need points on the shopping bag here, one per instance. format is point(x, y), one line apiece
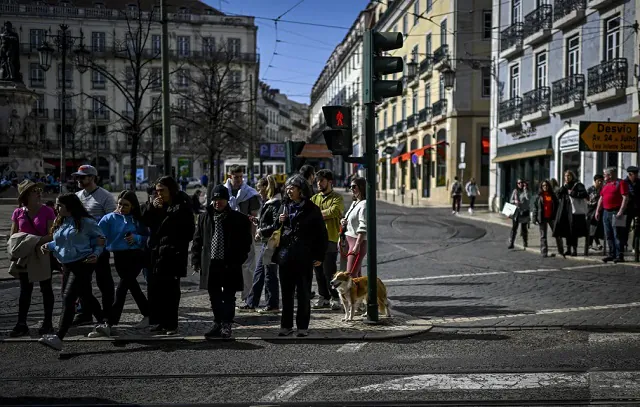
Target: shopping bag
point(509, 209)
point(579, 206)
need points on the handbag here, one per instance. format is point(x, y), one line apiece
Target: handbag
point(272, 245)
point(53, 261)
point(579, 206)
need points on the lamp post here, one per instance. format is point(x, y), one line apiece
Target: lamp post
point(64, 42)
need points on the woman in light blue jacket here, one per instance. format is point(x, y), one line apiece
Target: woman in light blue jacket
point(126, 239)
point(77, 244)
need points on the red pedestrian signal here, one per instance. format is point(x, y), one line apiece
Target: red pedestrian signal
point(339, 118)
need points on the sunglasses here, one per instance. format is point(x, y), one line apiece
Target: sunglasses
point(353, 187)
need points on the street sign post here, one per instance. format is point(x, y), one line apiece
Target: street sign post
point(615, 137)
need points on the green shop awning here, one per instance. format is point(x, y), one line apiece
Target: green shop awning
point(528, 149)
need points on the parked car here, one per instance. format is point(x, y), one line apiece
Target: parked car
point(194, 183)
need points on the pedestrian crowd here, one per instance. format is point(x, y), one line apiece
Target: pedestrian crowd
point(604, 211)
point(299, 232)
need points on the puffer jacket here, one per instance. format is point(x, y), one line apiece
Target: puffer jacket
point(172, 229)
point(268, 216)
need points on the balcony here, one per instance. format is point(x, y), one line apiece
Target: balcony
point(127, 114)
point(411, 121)
point(426, 68)
point(98, 114)
point(400, 126)
point(424, 116)
point(568, 12)
point(440, 56)
point(390, 131)
point(537, 25)
point(381, 136)
point(607, 81)
point(510, 113)
point(40, 113)
point(597, 4)
point(511, 40)
point(536, 104)
point(69, 114)
point(567, 94)
point(439, 110)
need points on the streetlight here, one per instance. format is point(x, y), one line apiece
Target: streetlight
point(63, 41)
point(449, 76)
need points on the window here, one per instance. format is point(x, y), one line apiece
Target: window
point(38, 104)
point(236, 77)
point(429, 5)
point(487, 25)
point(98, 41)
point(612, 39)
point(36, 38)
point(132, 44)
point(183, 104)
point(441, 90)
point(384, 120)
point(541, 70)
point(100, 136)
point(156, 46)
point(486, 82)
point(99, 109)
point(97, 79)
point(68, 77)
point(414, 104)
point(393, 114)
point(427, 97)
point(485, 141)
point(573, 55)
point(154, 78)
point(233, 45)
point(208, 45)
point(416, 12)
point(156, 107)
point(405, 24)
point(428, 48)
point(129, 77)
point(414, 54)
point(441, 159)
point(183, 78)
point(404, 110)
point(36, 75)
point(514, 81)
point(516, 13)
point(184, 46)
point(443, 32)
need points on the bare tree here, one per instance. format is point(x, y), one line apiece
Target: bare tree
point(214, 105)
point(136, 81)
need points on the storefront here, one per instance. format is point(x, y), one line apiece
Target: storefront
point(570, 158)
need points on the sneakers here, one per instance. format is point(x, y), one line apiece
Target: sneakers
point(245, 308)
point(285, 331)
point(158, 329)
point(269, 310)
point(321, 303)
point(51, 341)
point(453, 212)
point(19, 330)
point(100, 331)
point(143, 324)
point(214, 332)
point(335, 305)
point(470, 211)
point(302, 333)
point(81, 319)
point(172, 331)
point(225, 332)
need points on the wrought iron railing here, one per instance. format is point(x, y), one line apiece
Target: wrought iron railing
point(98, 114)
point(390, 131)
point(538, 19)
point(608, 75)
point(411, 121)
point(69, 113)
point(569, 89)
point(400, 126)
point(510, 110)
point(563, 7)
point(536, 100)
point(441, 54)
point(439, 108)
point(40, 113)
point(511, 36)
point(426, 65)
point(423, 115)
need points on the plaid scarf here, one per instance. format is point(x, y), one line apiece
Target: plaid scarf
point(217, 241)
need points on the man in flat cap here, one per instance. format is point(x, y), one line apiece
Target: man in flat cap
point(633, 208)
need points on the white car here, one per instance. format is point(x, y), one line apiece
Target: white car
point(194, 183)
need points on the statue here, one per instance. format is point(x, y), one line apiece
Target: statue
point(9, 54)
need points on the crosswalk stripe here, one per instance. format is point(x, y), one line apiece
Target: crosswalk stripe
point(351, 347)
point(289, 389)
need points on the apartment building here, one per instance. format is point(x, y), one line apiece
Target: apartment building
point(428, 125)
point(340, 83)
point(560, 62)
point(282, 118)
point(198, 33)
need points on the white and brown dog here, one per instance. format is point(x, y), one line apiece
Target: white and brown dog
point(353, 291)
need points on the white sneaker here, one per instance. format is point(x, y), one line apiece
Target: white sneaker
point(321, 303)
point(51, 341)
point(453, 212)
point(143, 324)
point(100, 331)
point(335, 305)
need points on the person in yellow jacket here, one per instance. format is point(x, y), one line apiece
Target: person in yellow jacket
point(331, 204)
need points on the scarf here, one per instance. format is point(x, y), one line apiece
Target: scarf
point(244, 194)
point(217, 241)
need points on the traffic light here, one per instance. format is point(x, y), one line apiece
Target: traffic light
point(376, 65)
point(293, 149)
point(339, 139)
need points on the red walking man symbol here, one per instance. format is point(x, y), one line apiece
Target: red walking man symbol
point(339, 118)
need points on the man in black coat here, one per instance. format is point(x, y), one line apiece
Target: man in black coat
point(221, 244)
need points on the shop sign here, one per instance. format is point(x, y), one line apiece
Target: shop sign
point(524, 133)
point(609, 137)
point(568, 141)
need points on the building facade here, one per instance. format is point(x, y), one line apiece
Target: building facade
point(340, 83)
point(428, 126)
point(282, 118)
point(560, 62)
point(95, 105)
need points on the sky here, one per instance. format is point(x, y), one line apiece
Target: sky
point(301, 50)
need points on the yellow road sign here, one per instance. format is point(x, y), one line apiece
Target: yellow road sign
point(609, 137)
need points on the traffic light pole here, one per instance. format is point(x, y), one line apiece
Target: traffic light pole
point(372, 249)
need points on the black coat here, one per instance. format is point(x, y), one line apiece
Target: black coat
point(268, 217)
point(236, 229)
point(304, 239)
point(538, 207)
point(567, 224)
point(171, 229)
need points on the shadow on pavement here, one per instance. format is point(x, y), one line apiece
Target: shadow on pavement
point(42, 401)
point(458, 311)
point(429, 298)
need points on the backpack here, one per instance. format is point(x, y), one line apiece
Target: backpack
point(456, 189)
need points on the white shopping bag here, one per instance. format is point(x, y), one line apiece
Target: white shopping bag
point(509, 209)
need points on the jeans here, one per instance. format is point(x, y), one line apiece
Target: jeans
point(296, 277)
point(26, 290)
point(324, 273)
point(623, 233)
point(164, 300)
point(611, 233)
point(128, 266)
point(524, 232)
point(456, 203)
point(472, 202)
point(265, 275)
point(104, 280)
point(78, 285)
point(544, 247)
point(223, 299)
point(354, 261)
